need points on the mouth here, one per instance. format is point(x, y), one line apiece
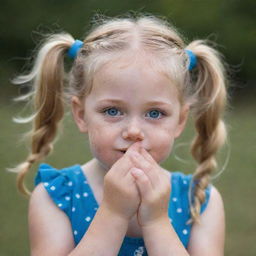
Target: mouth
point(123, 151)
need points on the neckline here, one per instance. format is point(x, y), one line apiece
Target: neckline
point(128, 239)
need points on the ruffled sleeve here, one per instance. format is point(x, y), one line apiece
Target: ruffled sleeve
point(58, 184)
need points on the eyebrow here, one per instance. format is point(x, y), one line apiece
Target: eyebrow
point(150, 103)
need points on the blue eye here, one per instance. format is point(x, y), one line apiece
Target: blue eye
point(111, 111)
point(155, 114)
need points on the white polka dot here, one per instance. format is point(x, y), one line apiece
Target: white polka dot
point(46, 184)
point(139, 251)
point(85, 194)
point(67, 198)
point(170, 220)
point(73, 209)
point(179, 210)
point(70, 183)
point(52, 188)
point(184, 231)
point(77, 172)
point(78, 196)
point(85, 182)
point(59, 204)
point(88, 219)
point(95, 208)
point(185, 182)
point(174, 199)
point(75, 232)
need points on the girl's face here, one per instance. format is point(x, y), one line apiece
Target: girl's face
point(130, 103)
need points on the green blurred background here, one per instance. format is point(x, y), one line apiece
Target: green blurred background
point(230, 23)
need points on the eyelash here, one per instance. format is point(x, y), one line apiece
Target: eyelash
point(163, 113)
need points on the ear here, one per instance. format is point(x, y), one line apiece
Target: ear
point(184, 111)
point(78, 114)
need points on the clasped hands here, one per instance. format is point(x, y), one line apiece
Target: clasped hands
point(136, 184)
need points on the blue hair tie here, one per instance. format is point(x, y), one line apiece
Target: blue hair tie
point(74, 48)
point(192, 59)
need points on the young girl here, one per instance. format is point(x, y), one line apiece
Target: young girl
point(132, 85)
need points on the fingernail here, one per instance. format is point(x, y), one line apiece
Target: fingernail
point(136, 154)
point(137, 172)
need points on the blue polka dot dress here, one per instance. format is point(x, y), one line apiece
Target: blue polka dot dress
point(70, 191)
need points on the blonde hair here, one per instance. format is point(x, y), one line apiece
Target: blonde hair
point(204, 87)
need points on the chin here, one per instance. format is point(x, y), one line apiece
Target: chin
point(160, 158)
point(106, 164)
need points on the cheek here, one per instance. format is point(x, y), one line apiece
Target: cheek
point(162, 145)
point(99, 133)
point(100, 140)
point(101, 145)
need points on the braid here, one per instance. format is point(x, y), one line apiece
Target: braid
point(47, 92)
point(204, 148)
point(210, 129)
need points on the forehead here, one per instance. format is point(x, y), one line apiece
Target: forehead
point(133, 79)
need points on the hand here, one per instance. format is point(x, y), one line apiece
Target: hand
point(120, 192)
point(154, 188)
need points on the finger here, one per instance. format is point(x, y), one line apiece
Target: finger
point(142, 182)
point(150, 159)
point(153, 162)
point(145, 153)
point(134, 147)
point(141, 163)
point(125, 163)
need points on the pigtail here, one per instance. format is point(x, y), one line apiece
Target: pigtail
point(211, 97)
point(46, 79)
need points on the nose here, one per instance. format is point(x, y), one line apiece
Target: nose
point(133, 132)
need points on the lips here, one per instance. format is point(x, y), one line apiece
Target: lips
point(123, 150)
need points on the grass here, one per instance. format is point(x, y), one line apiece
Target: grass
point(236, 183)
